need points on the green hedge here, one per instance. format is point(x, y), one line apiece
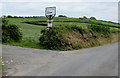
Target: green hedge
point(73, 37)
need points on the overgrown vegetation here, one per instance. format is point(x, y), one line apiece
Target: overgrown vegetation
point(74, 37)
point(10, 32)
point(64, 35)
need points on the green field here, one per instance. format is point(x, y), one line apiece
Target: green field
point(31, 32)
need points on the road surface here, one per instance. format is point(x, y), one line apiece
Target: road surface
point(97, 61)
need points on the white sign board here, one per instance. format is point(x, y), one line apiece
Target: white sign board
point(50, 11)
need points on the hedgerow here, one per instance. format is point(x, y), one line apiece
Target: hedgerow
point(73, 37)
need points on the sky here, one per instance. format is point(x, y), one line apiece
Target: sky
point(72, 8)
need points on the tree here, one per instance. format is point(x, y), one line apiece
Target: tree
point(84, 17)
point(15, 17)
point(93, 18)
point(9, 16)
point(62, 16)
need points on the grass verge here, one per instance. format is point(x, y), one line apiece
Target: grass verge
point(1, 63)
point(25, 43)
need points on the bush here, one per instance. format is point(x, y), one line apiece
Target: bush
point(52, 39)
point(10, 32)
point(14, 33)
point(5, 35)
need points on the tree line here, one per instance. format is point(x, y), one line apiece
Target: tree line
point(10, 16)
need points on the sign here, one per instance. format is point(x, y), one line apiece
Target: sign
point(49, 20)
point(50, 11)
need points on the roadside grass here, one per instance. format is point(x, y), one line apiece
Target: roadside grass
point(26, 43)
point(1, 63)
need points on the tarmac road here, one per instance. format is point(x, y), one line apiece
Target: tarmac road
point(97, 61)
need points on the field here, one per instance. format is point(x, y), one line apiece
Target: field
point(31, 31)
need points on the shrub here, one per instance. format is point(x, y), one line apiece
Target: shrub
point(5, 35)
point(14, 32)
point(10, 32)
point(52, 39)
point(64, 38)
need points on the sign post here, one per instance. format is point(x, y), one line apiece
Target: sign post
point(50, 12)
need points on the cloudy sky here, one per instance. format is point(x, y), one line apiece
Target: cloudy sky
point(72, 8)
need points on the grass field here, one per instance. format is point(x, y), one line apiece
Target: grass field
point(31, 33)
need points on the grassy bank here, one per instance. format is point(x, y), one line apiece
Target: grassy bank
point(73, 39)
point(25, 43)
point(76, 37)
point(71, 34)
